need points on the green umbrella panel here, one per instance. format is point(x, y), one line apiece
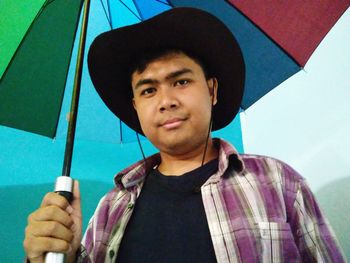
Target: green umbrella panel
point(39, 41)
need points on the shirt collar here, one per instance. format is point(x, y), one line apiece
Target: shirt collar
point(228, 156)
point(135, 173)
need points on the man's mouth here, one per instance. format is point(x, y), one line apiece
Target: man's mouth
point(172, 123)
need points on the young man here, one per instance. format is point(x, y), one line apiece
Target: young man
point(174, 78)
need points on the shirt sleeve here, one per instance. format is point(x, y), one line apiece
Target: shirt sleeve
point(88, 244)
point(82, 255)
point(313, 234)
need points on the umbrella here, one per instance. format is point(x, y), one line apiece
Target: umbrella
point(274, 33)
point(294, 37)
point(138, 10)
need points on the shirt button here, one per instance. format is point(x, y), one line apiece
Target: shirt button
point(111, 253)
point(130, 205)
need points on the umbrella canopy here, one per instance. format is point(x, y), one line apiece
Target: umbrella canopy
point(277, 38)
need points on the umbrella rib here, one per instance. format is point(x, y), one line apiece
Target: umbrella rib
point(107, 16)
point(165, 3)
point(47, 2)
point(139, 18)
point(138, 9)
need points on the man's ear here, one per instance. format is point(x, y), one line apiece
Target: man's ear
point(133, 103)
point(213, 89)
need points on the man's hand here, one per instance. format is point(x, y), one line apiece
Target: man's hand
point(55, 227)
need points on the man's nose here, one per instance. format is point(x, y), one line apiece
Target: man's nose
point(167, 100)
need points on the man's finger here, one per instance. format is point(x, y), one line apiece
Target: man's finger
point(76, 202)
point(50, 229)
point(57, 200)
point(51, 213)
point(38, 246)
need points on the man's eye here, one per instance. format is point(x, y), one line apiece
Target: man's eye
point(182, 82)
point(148, 91)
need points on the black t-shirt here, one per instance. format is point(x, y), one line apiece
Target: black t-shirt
point(169, 222)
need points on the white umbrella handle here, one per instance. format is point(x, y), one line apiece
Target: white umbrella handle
point(53, 257)
point(63, 186)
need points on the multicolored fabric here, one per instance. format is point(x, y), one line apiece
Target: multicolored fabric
point(258, 210)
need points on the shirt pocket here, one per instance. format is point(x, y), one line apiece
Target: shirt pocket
point(276, 242)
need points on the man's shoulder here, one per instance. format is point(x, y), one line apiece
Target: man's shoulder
point(270, 169)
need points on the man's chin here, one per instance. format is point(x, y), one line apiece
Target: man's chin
point(169, 143)
point(177, 146)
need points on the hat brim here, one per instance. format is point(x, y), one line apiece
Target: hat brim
point(112, 53)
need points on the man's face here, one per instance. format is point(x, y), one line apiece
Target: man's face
point(173, 102)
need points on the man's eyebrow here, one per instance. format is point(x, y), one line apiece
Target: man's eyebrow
point(171, 75)
point(178, 73)
point(145, 81)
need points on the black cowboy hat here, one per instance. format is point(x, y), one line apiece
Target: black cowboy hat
point(112, 54)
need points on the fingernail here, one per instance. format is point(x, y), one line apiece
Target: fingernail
point(69, 209)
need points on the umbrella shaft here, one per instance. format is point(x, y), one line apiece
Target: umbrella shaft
point(75, 96)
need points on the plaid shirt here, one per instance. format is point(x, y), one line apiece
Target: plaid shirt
point(258, 210)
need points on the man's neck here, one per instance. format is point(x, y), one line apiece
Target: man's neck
point(183, 163)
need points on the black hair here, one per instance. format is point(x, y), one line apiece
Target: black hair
point(145, 58)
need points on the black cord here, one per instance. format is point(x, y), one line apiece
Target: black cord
point(139, 142)
point(209, 128)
